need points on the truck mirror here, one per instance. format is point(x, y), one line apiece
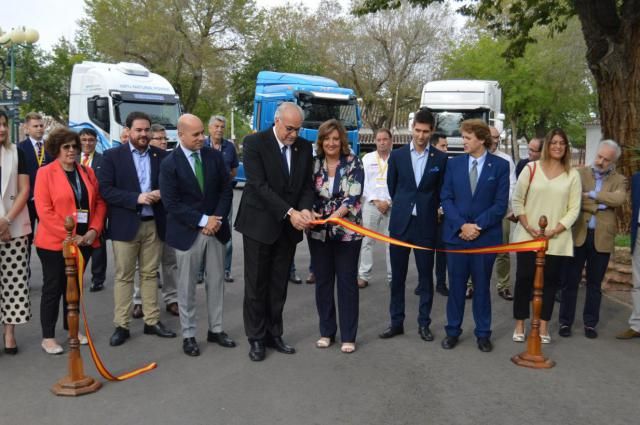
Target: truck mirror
point(98, 110)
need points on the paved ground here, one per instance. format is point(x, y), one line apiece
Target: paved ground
point(399, 381)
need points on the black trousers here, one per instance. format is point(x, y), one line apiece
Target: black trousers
point(54, 287)
point(99, 262)
point(266, 275)
point(597, 263)
point(337, 262)
point(525, 273)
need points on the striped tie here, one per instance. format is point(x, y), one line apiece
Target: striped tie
point(85, 159)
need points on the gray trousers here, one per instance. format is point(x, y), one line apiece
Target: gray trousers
point(209, 250)
point(169, 275)
point(634, 320)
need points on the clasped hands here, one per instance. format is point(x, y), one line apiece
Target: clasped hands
point(214, 223)
point(87, 239)
point(301, 220)
point(469, 231)
point(149, 198)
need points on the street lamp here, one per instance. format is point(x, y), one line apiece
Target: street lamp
point(17, 37)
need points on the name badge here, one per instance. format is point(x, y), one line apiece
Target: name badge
point(82, 216)
point(381, 182)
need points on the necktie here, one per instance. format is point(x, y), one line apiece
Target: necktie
point(85, 159)
point(198, 168)
point(285, 163)
point(39, 152)
point(473, 176)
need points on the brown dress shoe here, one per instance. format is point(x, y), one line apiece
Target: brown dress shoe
point(506, 294)
point(311, 279)
point(137, 311)
point(628, 334)
point(362, 283)
point(173, 309)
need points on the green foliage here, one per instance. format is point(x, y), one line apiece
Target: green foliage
point(623, 240)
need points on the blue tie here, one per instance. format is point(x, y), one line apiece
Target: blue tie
point(285, 163)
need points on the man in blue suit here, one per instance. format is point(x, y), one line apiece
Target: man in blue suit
point(196, 191)
point(414, 178)
point(35, 156)
point(136, 224)
point(634, 319)
point(474, 196)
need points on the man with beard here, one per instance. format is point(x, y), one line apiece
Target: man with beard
point(603, 190)
point(129, 184)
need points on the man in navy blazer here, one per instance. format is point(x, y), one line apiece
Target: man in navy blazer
point(414, 178)
point(196, 192)
point(35, 156)
point(474, 196)
point(136, 224)
point(634, 319)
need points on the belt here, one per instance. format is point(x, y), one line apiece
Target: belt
point(147, 218)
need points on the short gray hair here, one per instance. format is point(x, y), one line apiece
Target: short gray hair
point(156, 128)
point(612, 144)
point(215, 118)
point(287, 105)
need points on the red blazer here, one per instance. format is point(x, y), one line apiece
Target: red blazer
point(54, 200)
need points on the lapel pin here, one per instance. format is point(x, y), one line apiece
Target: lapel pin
point(489, 164)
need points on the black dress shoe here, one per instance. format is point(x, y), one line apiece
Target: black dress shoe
point(221, 338)
point(294, 278)
point(96, 287)
point(137, 312)
point(173, 309)
point(228, 278)
point(190, 347)
point(390, 332)
point(279, 345)
point(442, 290)
point(449, 342)
point(564, 331)
point(159, 330)
point(506, 294)
point(257, 351)
point(484, 345)
point(590, 333)
point(417, 290)
point(119, 336)
point(425, 333)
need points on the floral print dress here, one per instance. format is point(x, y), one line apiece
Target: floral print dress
point(346, 190)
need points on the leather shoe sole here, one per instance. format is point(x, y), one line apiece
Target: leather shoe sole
point(391, 332)
point(449, 342)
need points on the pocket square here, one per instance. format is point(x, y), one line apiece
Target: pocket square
point(491, 178)
point(434, 169)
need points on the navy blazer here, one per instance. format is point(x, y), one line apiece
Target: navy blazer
point(486, 207)
point(635, 207)
point(186, 203)
point(405, 194)
point(31, 162)
point(120, 188)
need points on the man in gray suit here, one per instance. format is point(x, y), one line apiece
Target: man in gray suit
point(196, 192)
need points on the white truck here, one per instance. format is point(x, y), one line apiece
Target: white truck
point(453, 101)
point(103, 94)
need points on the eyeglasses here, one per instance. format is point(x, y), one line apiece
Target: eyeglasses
point(160, 138)
point(534, 151)
point(69, 147)
point(292, 129)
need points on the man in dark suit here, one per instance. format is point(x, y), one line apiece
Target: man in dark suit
point(90, 158)
point(35, 157)
point(535, 150)
point(196, 192)
point(634, 320)
point(136, 224)
point(414, 179)
point(275, 207)
point(474, 196)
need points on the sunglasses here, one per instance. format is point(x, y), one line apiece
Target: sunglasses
point(69, 147)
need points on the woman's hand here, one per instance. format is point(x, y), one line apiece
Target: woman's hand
point(89, 238)
point(4, 225)
point(5, 236)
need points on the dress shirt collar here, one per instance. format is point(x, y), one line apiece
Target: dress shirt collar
point(134, 150)
point(34, 142)
point(412, 148)
point(480, 159)
point(188, 152)
point(278, 140)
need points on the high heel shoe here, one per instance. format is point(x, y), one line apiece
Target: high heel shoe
point(545, 339)
point(10, 350)
point(325, 341)
point(518, 337)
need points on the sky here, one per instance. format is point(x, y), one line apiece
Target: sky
point(58, 18)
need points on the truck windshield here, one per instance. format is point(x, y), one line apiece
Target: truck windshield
point(165, 114)
point(317, 111)
point(448, 122)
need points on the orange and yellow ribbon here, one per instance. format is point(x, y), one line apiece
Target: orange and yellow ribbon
point(94, 353)
point(525, 246)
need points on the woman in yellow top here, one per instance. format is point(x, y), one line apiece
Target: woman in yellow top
point(552, 188)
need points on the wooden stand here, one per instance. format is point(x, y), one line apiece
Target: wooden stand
point(533, 357)
point(75, 383)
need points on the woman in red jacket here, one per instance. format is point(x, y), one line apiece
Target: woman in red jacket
point(63, 188)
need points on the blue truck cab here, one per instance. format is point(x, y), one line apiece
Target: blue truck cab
point(320, 98)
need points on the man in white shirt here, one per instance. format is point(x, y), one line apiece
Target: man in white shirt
point(376, 203)
point(503, 263)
